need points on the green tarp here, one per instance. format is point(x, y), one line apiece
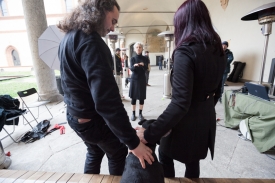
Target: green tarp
point(259, 117)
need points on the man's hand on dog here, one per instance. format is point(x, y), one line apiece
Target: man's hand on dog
point(140, 134)
point(142, 152)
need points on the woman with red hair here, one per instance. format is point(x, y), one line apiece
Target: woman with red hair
point(196, 78)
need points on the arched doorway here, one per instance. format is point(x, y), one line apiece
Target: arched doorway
point(12, 55)
point(132, 50)
point(15, 58)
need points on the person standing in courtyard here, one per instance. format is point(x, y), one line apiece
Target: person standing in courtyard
point(94, 107)
point(118, 62)
point(229, 59)
point(160, 62)
point(138, 80)
point(196, 78)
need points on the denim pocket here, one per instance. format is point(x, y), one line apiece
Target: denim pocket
point(90, 132)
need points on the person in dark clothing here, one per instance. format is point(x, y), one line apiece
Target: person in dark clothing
point(160, 62)
point(229, 58)
point(118, 61)
point(138, 80)
point(196, 78)
point(147, 72)
point(126, 61)
point(94, 108)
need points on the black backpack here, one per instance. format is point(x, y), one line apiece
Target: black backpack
point(237, 72)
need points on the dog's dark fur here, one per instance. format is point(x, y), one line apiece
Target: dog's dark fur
point(133, 171)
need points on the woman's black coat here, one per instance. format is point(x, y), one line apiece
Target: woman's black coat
point(138, 79)
point(196, 81)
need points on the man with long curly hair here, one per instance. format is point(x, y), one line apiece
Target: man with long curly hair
point(94, 108)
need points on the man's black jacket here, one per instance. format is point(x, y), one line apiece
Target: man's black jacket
point(90, 90)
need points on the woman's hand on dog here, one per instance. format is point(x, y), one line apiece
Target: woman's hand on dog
point(140, 134)
point(142, 152)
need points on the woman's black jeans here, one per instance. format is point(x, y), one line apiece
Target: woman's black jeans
point(192, 168)
point(99, 140)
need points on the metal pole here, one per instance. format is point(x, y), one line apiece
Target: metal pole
point(266, 30)
point(114, 53)
point(167, 88)
point(169, 48)
point(263, 60)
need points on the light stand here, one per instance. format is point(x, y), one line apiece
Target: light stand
point(113, 36)
point(265, 15)
point(167, 88)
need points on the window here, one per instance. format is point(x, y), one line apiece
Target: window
point(15, 58)
point(3, 8)
point(69, 5)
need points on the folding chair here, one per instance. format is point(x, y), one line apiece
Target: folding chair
point(31, 99)
point(13, 121)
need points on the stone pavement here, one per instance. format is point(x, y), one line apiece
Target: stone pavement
point(234, 157)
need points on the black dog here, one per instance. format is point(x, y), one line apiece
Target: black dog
point(133, 171)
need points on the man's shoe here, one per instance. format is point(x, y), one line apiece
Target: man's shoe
point(133, 118)
point(140, 117)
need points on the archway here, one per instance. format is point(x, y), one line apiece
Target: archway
point(12, 55)
point(132, 50)
point(15, 57)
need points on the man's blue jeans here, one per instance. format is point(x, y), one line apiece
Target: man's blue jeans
point(99, 140)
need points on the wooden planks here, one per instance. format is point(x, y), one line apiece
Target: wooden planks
point(65, 177)
point(34, 177)
point(55, 177)
point(116, 179)
point(44, 177)
point(14, 176)
point(232, 180)
point(76, 178)
point(5, 175)
point(18, 176)
point(24, 177)
point(86, 178)
point(96, 179)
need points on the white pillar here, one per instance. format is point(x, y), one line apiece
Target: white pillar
point(122, 43)
point(36, 24)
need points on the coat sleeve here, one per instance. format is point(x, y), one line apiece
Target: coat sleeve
point(145, 66)
point(218, 93)
point(230, 57)
point(183, 77)
point(132, 67)
point(105, 94)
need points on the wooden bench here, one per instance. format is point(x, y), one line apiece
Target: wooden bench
point(19, 176)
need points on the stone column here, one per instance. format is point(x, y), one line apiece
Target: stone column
point(36, 24)
point(122, 43)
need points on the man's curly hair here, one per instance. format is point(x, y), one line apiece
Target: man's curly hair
point(89, 16)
